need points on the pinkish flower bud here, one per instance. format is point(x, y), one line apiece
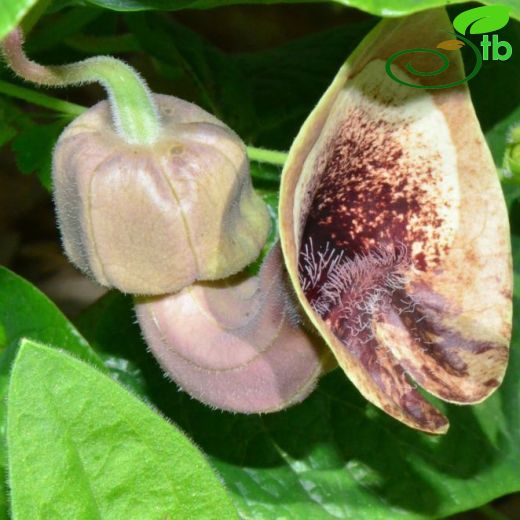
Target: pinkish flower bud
point(152, 219)
point(233, 344)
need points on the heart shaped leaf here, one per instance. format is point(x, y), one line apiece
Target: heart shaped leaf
point(80, 446)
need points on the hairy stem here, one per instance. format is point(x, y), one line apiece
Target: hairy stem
point(135, 115)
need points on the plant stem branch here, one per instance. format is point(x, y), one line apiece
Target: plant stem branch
point(36, 98)
point(266, 156)
point(132, 105)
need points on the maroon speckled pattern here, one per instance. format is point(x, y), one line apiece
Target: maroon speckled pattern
point(375, 217)
point(369, 188)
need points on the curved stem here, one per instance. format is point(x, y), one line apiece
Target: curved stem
point(135, 115)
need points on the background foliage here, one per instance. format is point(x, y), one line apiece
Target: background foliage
point(335, 455)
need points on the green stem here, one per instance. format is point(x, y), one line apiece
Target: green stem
point(73, 110)
point(135, 115)
point(266, 156)
point(42, 100)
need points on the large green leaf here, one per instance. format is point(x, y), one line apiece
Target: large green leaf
point(11, 13)
point(82, 447)
point(26, 312)
point(377, 7)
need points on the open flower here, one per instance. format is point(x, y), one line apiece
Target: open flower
point(395, 231)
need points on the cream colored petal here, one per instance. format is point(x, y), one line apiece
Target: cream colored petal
point(399, 184)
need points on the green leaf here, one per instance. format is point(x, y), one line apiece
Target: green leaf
point(377, 7)
point(199, 71)
point(33, 148)
point(82, 447)
point(11, 13)
point(287, 81)
point(26, 312)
